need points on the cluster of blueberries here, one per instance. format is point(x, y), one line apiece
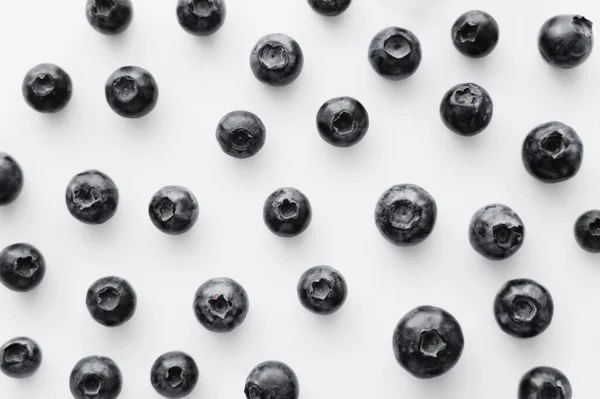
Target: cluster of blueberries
point(428, 341)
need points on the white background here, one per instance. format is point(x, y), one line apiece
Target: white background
point(347, 355)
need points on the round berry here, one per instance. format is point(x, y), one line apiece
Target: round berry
point(545, 382)
point(95, 377)
point(566, 41)
point(111, 301)
point(272, 380)
point(92, 197)
point(201, 17)
point(475, 34)
point(466, 109)
point(395, 53)
point(329, 8)
point(131, 92)
point(241, 134)
point(173, 210)
point(174, 375)
point(276, 60)
point(496, 232)
point(587, 231)
point(109, 17)
point(22, 267)
point(20, 357)
point(322, 290)
point(287, 212)
point(47, 88)
point(342, 121)
point(221, 304)
point(11, 179)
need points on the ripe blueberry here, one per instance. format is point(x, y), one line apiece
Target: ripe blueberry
point(475, 34)
point(173, 210)
point(221, 304)
point(22, 267)
point(322, 290)
point(109, 17)
point(395, 53)
point(287, 212)
point(405, 214)
point(95, 377)
point(272, 380)
point(587, 231)
point(241, 134)
point(174, 375)
point(20, 357)
point(566, 41)
point(545, 382)
point(428, 342)
point(552, 152)
point(11, 179)
point(466, 109)
point(342, 121)
point(111, 301)
point(92, 197)
point(131, 92)
point(276, 59)
point(201, 17)
point(47, 88)
point(329, 8)
point(496, 232)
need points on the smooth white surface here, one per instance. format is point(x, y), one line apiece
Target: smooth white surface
point(347, 355)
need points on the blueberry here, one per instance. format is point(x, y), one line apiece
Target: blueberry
point(466, 109)
point(276, 60)
point(92, 197)
point(405, 214)
point(342, 121)
point(428, 342)
point(545, 382)
point(20, 357)
point(131, 92)
point(174, 375)
point(587, 231)
point(111, 301)
point(552, 152)
point(201, 17)
point(173, 210)
point(395, 53)
point(22, 267)
point(95, 377)
point(241, 134)
point(272, 380)
point(475, 34)
point(47, 88)
point(221, 304)
point(523, 308)
point(287, 212)
point(322, 290)
point(109, 17)
point(329, 8)
point(11, 179)
point(496, 232)
point(566, 41)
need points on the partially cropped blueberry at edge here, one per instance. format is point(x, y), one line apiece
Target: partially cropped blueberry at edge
point(475, 34)
point(131, 92)
point(587, 231)
point(241, 134)
point(566, 41)
point(276, 60)
point(201, 17)
point(342, 121)
point(329, 8)
point(11, 179)
point(95, 377)
point(109, 17)
point(22, 267)
point(322, 290)
point(174, 374)
point(173, 210)
point(221, 304)
point(552, 152)
point(496, 232)
point(395, 53)
point(287, 212)
point(92, 197)
point(272, 380)
point(111, 301)
point(20, 357)
point(466, 109)
point(545, 382)
point(47, 88)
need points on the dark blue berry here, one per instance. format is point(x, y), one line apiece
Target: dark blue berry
point(587, 231)
point(545, 382)
point(111, 301)
point(466, 109)
point(20, 357)
point(11, 179)
point(552, 152)
point(566, 41)
point(174, 375)
point(496, 232)
point(131, 92)
point(201, 17)
point(428, 342)
point(342, 121)
point(276, 59)
point(22, 267)
point(395, 53)
point(287, 212)
point(221, 304)
point(92, 197)
point(523, 308)
point(109, 17)
point(330, 8)
point(272, 380)
point(241, 134)
point(47, 88)
point(475, 34)
point(173, 210)
point(322, 290)
point(95, 377)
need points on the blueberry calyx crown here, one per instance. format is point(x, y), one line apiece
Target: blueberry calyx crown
point(103, 8)
point(43, 85)
point(273, 56)
point(85, 196)
point(125, 88)
point(397, 46)
point(550, 391)
point(165, 210)
point(15, 354)
point(108, 298)
point(25, 266)
point(405, 214)
point(464, 96)
point(287, 209)
point(555, 144)
point(175, 376)
point(467, 33)
point(241, 140)
point(202, 8)
point(343, 123)
point(524, 309)
point(91, 385)
point(583, 25)
point(507, 237)
point(320, 289)
point(220, 306)
point(594, 226)
point(431, 343)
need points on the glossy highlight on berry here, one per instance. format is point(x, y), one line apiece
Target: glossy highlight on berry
point(475, 34)
point(92, 197)
point(496, 232)
point(111, 301)
point(20, 357)
point(131, 92)
point(467, 109)
point(395, 53)
point(95, 377)
point(566, 41)
point(22, 267)
point(221, 304)
point(342, 121)
point(272, 380)
point(174, 375)
point(287, 212)
point(322, 290)
point(173, 210)
point(47, 88)
point(109, 17)
point(201, 17)
point(241, 134)
point(276, 60)
point(545, 382)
